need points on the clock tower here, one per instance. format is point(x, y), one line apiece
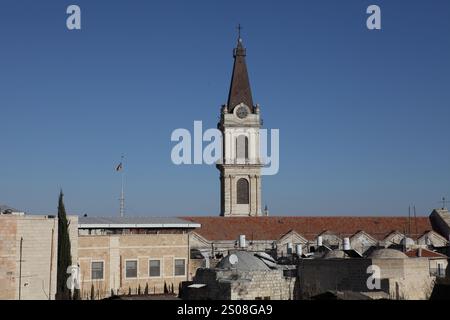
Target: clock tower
point(240, 169)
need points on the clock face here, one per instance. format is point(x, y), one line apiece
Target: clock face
point(242, 112)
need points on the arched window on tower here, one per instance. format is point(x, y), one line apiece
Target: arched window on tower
point(242, 147)
point(242, 191)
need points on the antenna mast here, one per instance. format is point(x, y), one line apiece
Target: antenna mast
point(122, 195)
point(415, 221)
point(444, 202)
point(409, 221)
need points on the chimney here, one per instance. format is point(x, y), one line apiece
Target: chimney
point(242, 241)
point(319, 241)
point(347, 244)
point(298, 249)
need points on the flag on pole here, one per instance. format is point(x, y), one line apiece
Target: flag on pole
point(119, 167)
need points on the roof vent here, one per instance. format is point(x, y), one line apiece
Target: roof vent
point(242, 241)
point(319, 241)
point(347, 244)
point(298, 249)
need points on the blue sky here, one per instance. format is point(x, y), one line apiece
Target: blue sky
point(363, 115)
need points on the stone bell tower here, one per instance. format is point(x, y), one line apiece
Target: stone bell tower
point(240, 170)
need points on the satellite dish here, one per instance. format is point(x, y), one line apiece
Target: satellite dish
point(233, 259)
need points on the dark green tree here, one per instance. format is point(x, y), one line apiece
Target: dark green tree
point(166, 290)
point(76, 294)
point(92, 292)
point(64, 256)
point(139, 290)
point(146, 289)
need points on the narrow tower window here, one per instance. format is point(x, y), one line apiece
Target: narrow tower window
point(242, 191)
point(242, 147)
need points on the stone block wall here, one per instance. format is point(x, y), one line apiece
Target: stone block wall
point(115, 250)
point(35, 271)
point(241, 285)
point(400, 278)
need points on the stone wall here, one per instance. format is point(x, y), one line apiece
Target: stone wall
point(115, 250)
point(400, 278)
point(36, 271)
point(319, 275)
point(270, 285)
point(8, 257)
point(242, 285)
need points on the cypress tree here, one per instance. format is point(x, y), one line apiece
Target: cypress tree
point(92, 292)
point(139, 290)
point(76, 294)
point(146, 289)
point(64, 256)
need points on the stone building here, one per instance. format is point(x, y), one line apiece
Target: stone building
point(400, 277)
point(440, 219)
point(242, 275)
point(120, 255)
point(438, 262)
point(28, 255)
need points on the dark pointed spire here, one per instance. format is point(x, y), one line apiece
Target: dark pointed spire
point(240, 91)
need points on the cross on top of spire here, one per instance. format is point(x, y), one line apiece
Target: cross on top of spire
point(240, 91)
point(239, 28)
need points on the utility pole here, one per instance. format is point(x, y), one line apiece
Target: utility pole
point(51, 267)
point(20, 268)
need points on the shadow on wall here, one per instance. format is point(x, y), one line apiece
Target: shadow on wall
point(441, 290)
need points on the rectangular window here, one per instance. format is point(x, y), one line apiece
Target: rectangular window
point(131, 269)
point(180, 269)
point(97, 270)
point(154, 268)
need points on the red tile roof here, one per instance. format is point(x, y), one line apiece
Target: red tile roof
point(272, 228)
point(425, 253)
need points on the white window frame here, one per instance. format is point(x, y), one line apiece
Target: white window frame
point(185, 267)
point(103, 270)
point(137, 269)
point(160, 268)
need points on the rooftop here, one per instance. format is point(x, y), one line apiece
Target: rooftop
point(243, 261)
point(4, 208)
point(424, 253)
point(273, 228)
point(387, 254)
point(134, 222)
